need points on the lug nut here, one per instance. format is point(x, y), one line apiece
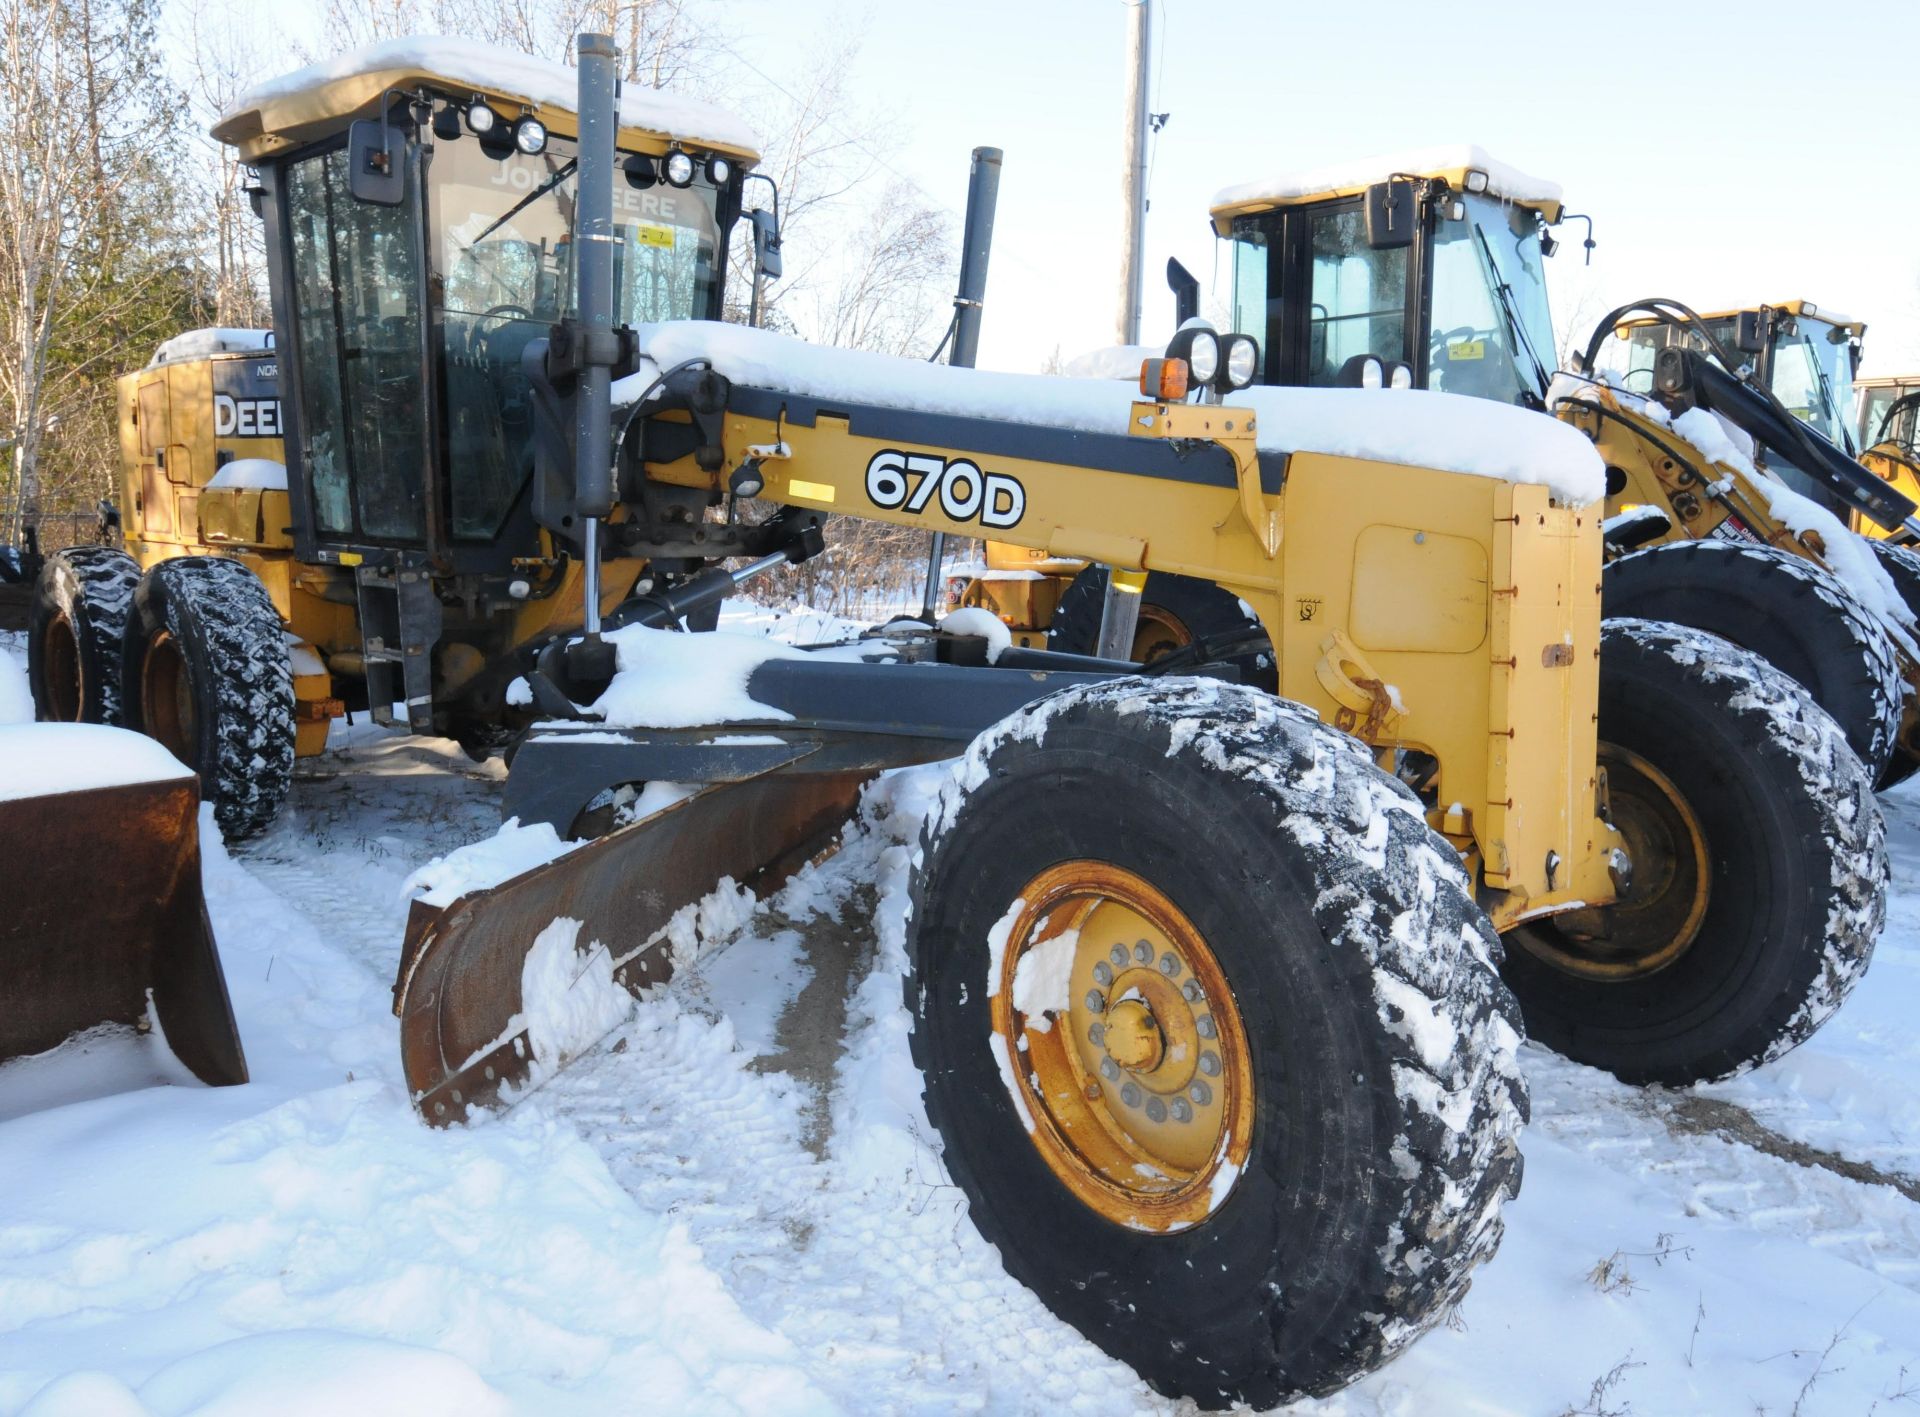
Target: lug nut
point(1093, 1092)
point(1202, 1025)
point(1191, 989)
point(1169, 965)
point(1200, 1093)
point(1097, 1035)
point(1210, 1064)
point(1130, 1094)
point(1096, 1002)
point(1143, 951)
point(1156, 1110)
point(1182, 1110)
point(1118, 954)
point(1109, 1069)
point(1102, 973)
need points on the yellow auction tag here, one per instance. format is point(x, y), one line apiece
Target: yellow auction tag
point(1467, 349)
point(652, 235)
point(812, 491)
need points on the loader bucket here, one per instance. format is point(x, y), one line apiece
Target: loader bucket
point(101, 918)
point(463, 1030)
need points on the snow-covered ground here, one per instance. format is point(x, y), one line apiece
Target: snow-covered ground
point(733, 1204)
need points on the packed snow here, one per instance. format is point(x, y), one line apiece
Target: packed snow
point(1503, 179)
point(16, 695)
point(1409, 426)
point(981, 624)
point(204, 344)
point(734, 1204)
point(38, 759)
point(491, 70)
point(667, 679)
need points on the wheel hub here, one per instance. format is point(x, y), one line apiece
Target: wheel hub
point(1138, 1081)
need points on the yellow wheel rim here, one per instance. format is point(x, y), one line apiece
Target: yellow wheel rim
point(1123, 1047)
point(1158, 632)
point(1658, 918)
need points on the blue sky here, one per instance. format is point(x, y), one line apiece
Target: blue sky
point(1729, 153)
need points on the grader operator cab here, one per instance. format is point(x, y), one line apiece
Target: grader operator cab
point(1204, 981)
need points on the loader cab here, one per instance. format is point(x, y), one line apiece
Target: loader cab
point(1888, 412)
point(418, 198)
point(1804, 355)
point(1433, 261)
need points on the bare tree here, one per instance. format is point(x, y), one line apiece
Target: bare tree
point(88, 215)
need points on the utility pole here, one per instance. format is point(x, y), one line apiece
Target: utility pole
point(1133, 183)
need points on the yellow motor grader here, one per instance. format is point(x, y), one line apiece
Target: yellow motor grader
point(1427, 269)
point(1203, 972)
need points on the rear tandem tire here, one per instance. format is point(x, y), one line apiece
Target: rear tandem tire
point(75, 626)
point(1792, 854)
point(1798, 617)
point(208, 674)
point(1378, 1075)
point(1174, 611)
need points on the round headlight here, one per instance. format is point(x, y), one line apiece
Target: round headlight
point(678, 168)
point(1203, 357)
point(480, 118)
point(719, 171)
point(1243, 360)
point(1372, 374)
point(1402, 377)
point(530, 136)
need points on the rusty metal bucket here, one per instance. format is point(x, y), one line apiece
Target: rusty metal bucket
point(463, 1035)
point(102, 919)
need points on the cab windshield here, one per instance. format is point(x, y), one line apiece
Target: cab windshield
point(500, 247)
point(1876, 402)
point(1811, 373)
point(1492, 333)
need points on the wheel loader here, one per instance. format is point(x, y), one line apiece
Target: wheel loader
point(1203, 983)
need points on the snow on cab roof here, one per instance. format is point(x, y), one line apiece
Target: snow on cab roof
point(1447, 432)
point(1451, 162)
point(283, 111)
point(203, 344)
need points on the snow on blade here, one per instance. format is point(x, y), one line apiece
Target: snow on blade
point(39, 759)
point(484, 864)
point(492, 70)
point(1503, 180)
point(666, 679)
point(568, 998)
point(1409, 426)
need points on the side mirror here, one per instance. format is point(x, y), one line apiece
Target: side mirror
point(1748, 335)
point(1392, 213)
point(377, 162)
point(766, 242)
point(1186, 292)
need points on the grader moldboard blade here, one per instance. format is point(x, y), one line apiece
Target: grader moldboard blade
point(463, 1033)
point(101, 918)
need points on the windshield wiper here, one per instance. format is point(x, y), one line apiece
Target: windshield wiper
point(561, 174)
point(1833, 405)
point(1515, 330)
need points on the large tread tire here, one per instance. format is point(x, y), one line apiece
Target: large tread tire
point(1902, 565)
point(1185, 606)
point(1796, 615)
point(75, 627)
point(238, 674)
point(1383, 1044)
point(1798, 868)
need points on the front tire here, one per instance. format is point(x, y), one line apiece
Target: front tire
point(75, 626)
point(1321, 1199)
point(1759, 872)
point(208, 674)
point(1902, 565)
